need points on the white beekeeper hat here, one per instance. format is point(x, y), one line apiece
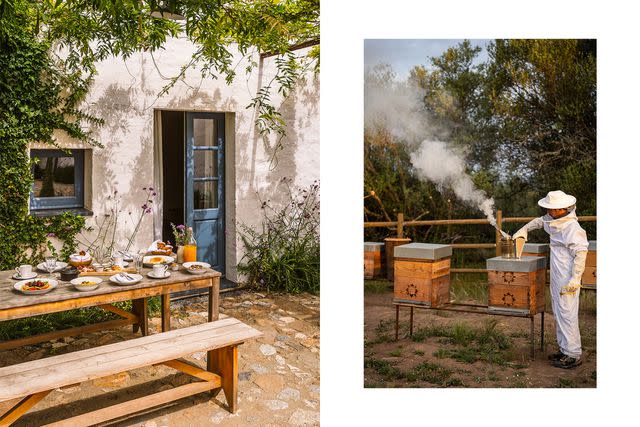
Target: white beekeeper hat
point(557, 200)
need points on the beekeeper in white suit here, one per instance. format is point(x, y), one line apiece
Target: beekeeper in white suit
point(568, 243)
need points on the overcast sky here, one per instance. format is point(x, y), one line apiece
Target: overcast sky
point(404, 54)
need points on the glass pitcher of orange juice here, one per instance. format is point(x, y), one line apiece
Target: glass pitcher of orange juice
point(191, 248)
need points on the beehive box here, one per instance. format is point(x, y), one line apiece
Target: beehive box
point(589, 275)
point(421, 274)
point(389, 244)
point(373, 259)
point(517, 285)
point(536, 249)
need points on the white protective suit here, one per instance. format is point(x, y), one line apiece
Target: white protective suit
point(569, 245)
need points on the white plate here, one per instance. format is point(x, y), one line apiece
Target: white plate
point(204, 265)
point(153, 276)
point(165, 259)
point(31, 275)
point(18, 286)
point(137, 277)
point(76, 282)
point(59, 266)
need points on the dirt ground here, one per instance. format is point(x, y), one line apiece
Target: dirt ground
point(433, 360)
point(279, 374)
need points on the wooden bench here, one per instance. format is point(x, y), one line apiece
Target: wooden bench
point(23, 385)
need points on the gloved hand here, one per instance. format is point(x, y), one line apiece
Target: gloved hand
point(571, 288)
point(574, 284)
point(534, 224)
point(523, 232)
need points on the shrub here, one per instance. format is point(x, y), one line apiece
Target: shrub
point(284, 253)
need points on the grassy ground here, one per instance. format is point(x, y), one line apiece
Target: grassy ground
point(20, 328)
point(450, 349)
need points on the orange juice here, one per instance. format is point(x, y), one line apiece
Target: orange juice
point(189, 253)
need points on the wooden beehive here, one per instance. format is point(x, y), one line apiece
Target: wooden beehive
point(373, 259)
point(389, 244)
point(517, 285)
point(536, 249)
point(421, 274)
point(589, 275)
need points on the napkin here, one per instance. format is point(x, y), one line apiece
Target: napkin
point(120, 277)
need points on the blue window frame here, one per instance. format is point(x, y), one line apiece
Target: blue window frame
point(58, 179)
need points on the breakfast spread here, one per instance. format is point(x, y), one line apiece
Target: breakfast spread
point(160, 248)
point(92, 269)
point(86, 283)
point(82, 258)
point(36, 285)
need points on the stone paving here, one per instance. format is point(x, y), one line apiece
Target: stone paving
point(279, 374)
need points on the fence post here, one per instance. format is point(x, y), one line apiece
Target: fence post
point(498, 235)
point(400, 225)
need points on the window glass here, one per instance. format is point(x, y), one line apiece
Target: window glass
point(205, 194)
point(54, 177)
point(204, 133)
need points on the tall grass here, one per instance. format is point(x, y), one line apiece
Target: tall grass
point(284, 254)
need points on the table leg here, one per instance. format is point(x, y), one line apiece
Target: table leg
point(397, 320)
point(532, 337)
point(542, 332)
point(411, 322)
point(214, 299)
point(140, 310)
point(165, 302)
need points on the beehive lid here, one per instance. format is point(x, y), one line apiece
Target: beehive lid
point(422, 251)
point(592, 245)
point(523, 265)
point(536, 248)
point(373, 246)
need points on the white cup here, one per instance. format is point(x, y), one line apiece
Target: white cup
point(24, 270)
point(159, 270)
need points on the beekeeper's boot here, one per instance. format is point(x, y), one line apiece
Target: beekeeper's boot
point(567, 362)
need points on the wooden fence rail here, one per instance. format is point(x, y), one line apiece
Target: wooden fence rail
point(400, 223)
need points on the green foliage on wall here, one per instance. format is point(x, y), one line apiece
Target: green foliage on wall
point(38, 95)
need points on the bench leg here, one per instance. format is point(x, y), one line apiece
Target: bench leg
point(140, 310)
point(12, 415)
point(224, 362)
point(165, 303)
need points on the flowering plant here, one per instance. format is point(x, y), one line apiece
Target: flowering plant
point(144, 209)
point(182, 234)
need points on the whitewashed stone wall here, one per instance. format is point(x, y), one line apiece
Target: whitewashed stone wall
point(125, 96)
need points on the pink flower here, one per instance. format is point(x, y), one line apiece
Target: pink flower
point(181, 227)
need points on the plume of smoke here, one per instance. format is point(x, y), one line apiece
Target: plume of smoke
point(399, 108)
point(438, 163)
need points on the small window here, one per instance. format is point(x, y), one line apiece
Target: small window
point(58, 179)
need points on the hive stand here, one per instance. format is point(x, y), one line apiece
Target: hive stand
point(516, 288)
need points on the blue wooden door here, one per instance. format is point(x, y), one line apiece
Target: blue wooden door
point(204, 185)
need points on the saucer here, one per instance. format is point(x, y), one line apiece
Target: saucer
point(31, 275)
point(59, 266)
point(153, 276)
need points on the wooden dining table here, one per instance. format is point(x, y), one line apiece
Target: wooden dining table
point(17, 305)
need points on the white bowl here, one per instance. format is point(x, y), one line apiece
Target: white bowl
point(205, 266)
point(77, 282)
point(18, 286)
